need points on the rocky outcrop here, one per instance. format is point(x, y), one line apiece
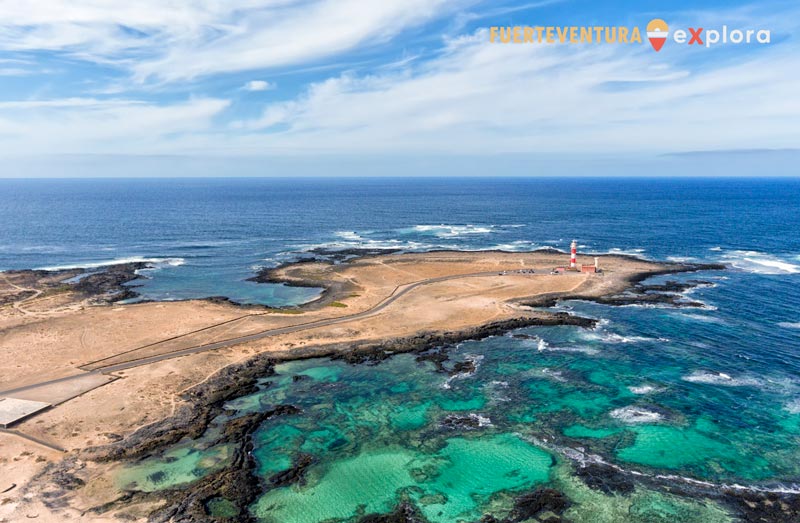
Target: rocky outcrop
point(404, 513)
point(191, 420)
point(544, 505)
point(605, 478)
point(109, 284)
point(764, 507)
point(294, 474)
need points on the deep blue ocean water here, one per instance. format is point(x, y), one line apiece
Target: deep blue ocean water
point(210, 234)
point(207, 236)
point(729, 372)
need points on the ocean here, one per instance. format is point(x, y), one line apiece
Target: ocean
point(709, 394)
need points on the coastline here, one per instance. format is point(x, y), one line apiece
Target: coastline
point(199, 403)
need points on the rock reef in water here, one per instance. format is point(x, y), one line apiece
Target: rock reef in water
point(294, 474)
point(605, 478)
point(105, 285)
point(404, 513)
point(544, 505)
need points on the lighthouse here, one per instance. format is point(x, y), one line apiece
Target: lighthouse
point(573, 258)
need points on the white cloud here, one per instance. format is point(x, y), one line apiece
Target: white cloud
point(471, 97)
point(175, 40)
point(258, 85)
point(14, 71)
point(499, 98)
point(85, 125)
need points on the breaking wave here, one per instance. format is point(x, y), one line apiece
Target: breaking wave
point(720, 378)
point(614, 338)
point(452, 231)
point(639, 253)
point(793, 406)
point(700, 317)
point(476, 363)
point(155, 262)
point(643, 389)
point(543, 346)
point(759, 263)
point(634, 415)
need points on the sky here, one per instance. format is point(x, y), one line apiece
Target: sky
point(400, 87)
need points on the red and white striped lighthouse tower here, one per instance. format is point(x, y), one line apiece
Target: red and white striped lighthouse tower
point(573, 258)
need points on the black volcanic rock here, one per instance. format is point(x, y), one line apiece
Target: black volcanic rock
point(537, 503)
point(295, 473)
point(764, 507)
point(109, 284)
point(457, 421)
point(404, 513)
point(605, 478)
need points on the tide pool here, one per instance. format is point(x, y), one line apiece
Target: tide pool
point(640, 395)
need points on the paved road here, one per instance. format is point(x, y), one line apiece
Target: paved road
point(399, 292)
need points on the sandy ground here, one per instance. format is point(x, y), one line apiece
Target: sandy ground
point(46, 337)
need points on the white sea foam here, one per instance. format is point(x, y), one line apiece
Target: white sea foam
point(721, 378)
point(700, 317)
point(759, 262)
point(625, 252)
point(452, 231)
point(614, 338)
point(483, 421)
point(643, 389)
point(793, 406)
point(517, 246)
point(475, 359)
point(349, 235)
point(366, 243)
point(543, 346)
point(497, 391)
point(715, 249)
point(789, 325)
point(681, 259)
point(583, 458)
point(700, 304)
point(156, 262)
point(635, 415)
point(556, 375)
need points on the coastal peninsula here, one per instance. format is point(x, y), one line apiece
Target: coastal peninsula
point(120, 381)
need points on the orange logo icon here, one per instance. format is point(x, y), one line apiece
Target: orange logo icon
point(657, 33)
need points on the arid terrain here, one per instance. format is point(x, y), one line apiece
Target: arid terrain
point(109, 369)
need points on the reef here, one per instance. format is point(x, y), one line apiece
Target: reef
point(404, 513)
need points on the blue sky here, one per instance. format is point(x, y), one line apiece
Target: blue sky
point(249, 87)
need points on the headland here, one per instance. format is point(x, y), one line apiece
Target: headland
point(124, 380)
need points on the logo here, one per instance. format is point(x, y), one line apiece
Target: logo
point(657, 33)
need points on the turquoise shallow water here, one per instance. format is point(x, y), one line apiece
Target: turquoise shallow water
point(641, 391)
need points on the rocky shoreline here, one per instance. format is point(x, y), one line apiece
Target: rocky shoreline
point(102, 286)
point(236, 484)
point(639, 293)
point(237, 487)
point(205, 402)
